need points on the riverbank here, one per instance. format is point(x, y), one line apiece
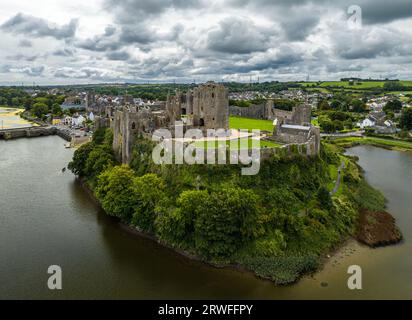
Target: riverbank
point(389, 144)
point(10, 118)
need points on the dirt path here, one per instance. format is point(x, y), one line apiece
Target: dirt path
point(338, 179)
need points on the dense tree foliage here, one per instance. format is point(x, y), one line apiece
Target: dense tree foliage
point(78, 163)
point(405, 121)
point(393, 106)
point(115, 192)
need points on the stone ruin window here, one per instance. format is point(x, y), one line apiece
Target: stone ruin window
point(202, 122)
point(133, 126)
point(213, 95)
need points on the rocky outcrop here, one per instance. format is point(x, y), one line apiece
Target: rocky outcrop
point(377, 229)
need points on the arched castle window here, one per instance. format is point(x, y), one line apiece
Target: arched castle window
point(133, 126)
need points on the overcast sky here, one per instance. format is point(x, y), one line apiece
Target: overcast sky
point(79, 41)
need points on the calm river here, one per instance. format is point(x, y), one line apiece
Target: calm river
point(46, 219)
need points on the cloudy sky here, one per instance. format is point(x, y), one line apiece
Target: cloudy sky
point(79, 41)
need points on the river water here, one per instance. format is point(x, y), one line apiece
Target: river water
point(46, 218)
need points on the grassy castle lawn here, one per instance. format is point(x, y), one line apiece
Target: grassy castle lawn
point(240, 145)
point(250, 124)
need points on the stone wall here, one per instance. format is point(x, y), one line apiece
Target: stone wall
point(32, 132)
point(255, 111)
point(309, 148)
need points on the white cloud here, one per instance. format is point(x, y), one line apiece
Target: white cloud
point(125, 40)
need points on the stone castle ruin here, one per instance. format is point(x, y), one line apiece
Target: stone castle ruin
point(204, 107)
point(294, 127)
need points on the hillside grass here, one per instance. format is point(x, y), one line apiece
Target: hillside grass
point(345, 84)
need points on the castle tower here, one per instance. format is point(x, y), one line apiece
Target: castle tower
point(211, 106)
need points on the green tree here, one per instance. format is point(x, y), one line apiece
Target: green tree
point(393, 106)
point(115, 191)
point(323, 105)
point(324, 198)
point(358, 105)
point(57, 110)
point(149, 191)
point(338, 125)
point(225, 220)
point(40, 109)
point(99, 159)
point(98, 136)
point(326, 124)
point(78, 163)
point(405, 121)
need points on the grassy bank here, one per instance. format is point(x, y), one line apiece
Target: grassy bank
point(391, 144)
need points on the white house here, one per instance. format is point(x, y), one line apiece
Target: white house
point(78, 120)
point(368, 122)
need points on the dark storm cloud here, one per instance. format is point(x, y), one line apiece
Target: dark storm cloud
point(37, 27)
point(34, 71)
point(160, 39)
point(22, 57)
point(100, 43)
point(118, 55)
point(128, 11)
point(66, 52)
point(299, 28)
point(136, 34)
point(382, 11)
point(373, 11)
point(25, 44)
point(372, 43)
point(237, 35)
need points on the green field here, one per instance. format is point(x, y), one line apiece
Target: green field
point(250, 124)
point(345, 84)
